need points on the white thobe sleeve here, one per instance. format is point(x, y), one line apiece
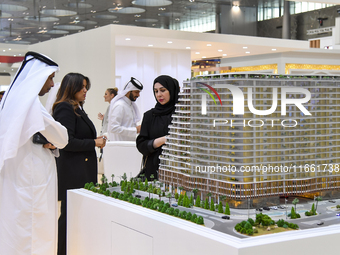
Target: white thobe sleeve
point(116, 124)
point(54, 132)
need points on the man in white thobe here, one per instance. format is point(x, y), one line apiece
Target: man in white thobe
point(124, 114)
point(28, 181)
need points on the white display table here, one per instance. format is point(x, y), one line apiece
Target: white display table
point(102, 225)
point(121, 157)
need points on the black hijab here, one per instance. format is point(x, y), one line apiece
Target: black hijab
point(172, 85)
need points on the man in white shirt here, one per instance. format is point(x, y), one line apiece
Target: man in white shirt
point(124, 114)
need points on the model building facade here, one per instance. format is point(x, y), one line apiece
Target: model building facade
point(217, 150)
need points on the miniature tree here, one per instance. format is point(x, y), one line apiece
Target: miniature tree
point(176, 196)
point(227, 209)
point(292, 213)
point(169, 195)
point(212, 206)
point(180, 199)
point(112, 176)
point(124, 177)
point(191, 199)
point(294, 202)
point(159, 193)
point(206, 205)
point(313, 211)
point(195, 191)
point(200, 220)
point(103, 179)
point(152, 177)
point(220, 207)
point(185, 201)
point(317, 200)
point(123, 187)
point(198, 201)
point(146, 184)
point(150, 190)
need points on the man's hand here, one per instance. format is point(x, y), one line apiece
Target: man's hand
point(49, 146)
point(100, 116)
point(138, 129)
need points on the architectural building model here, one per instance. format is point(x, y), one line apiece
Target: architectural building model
point(249, 136)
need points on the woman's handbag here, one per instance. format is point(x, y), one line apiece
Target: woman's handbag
point(38, 138)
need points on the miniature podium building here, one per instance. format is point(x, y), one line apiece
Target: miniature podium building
point(256, 155)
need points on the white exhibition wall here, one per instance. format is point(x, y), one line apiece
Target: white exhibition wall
point(94, 54)
point(90, 53)
point(145, 64)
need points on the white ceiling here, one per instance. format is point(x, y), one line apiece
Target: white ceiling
point(207, 45)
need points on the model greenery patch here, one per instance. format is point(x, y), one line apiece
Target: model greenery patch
point(263, 222)
point(127, 189)
point(312, 211)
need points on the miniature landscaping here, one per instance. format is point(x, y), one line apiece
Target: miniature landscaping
point(128, 188)
point(264, 225)
point(126, 191)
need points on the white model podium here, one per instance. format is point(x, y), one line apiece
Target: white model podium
point(121, 157)
point(97, 224)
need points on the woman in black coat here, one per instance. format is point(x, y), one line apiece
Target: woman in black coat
point(155, 125)
point(77, 163)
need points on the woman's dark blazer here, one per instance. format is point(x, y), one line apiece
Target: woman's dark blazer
point(77, 163)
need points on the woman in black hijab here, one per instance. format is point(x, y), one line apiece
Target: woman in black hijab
point(155, 125)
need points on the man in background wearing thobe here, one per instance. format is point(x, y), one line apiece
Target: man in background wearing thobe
point(124, 113)
point(28, 179)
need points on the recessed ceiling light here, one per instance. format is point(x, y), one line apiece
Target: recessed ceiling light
point(245, 47)
point(127, 39)
point(273, 49)
point(188, 48)
point(169, 41)
point(127, 10)
point(224, 55)
point(208, 44)
point(247, 52)
point(150, 45)
point(152, 3)
point(3, 50)
point(197, 53)
point(204, 57)
point(220, 50)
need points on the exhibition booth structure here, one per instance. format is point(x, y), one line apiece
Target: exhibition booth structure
point(201, 137)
